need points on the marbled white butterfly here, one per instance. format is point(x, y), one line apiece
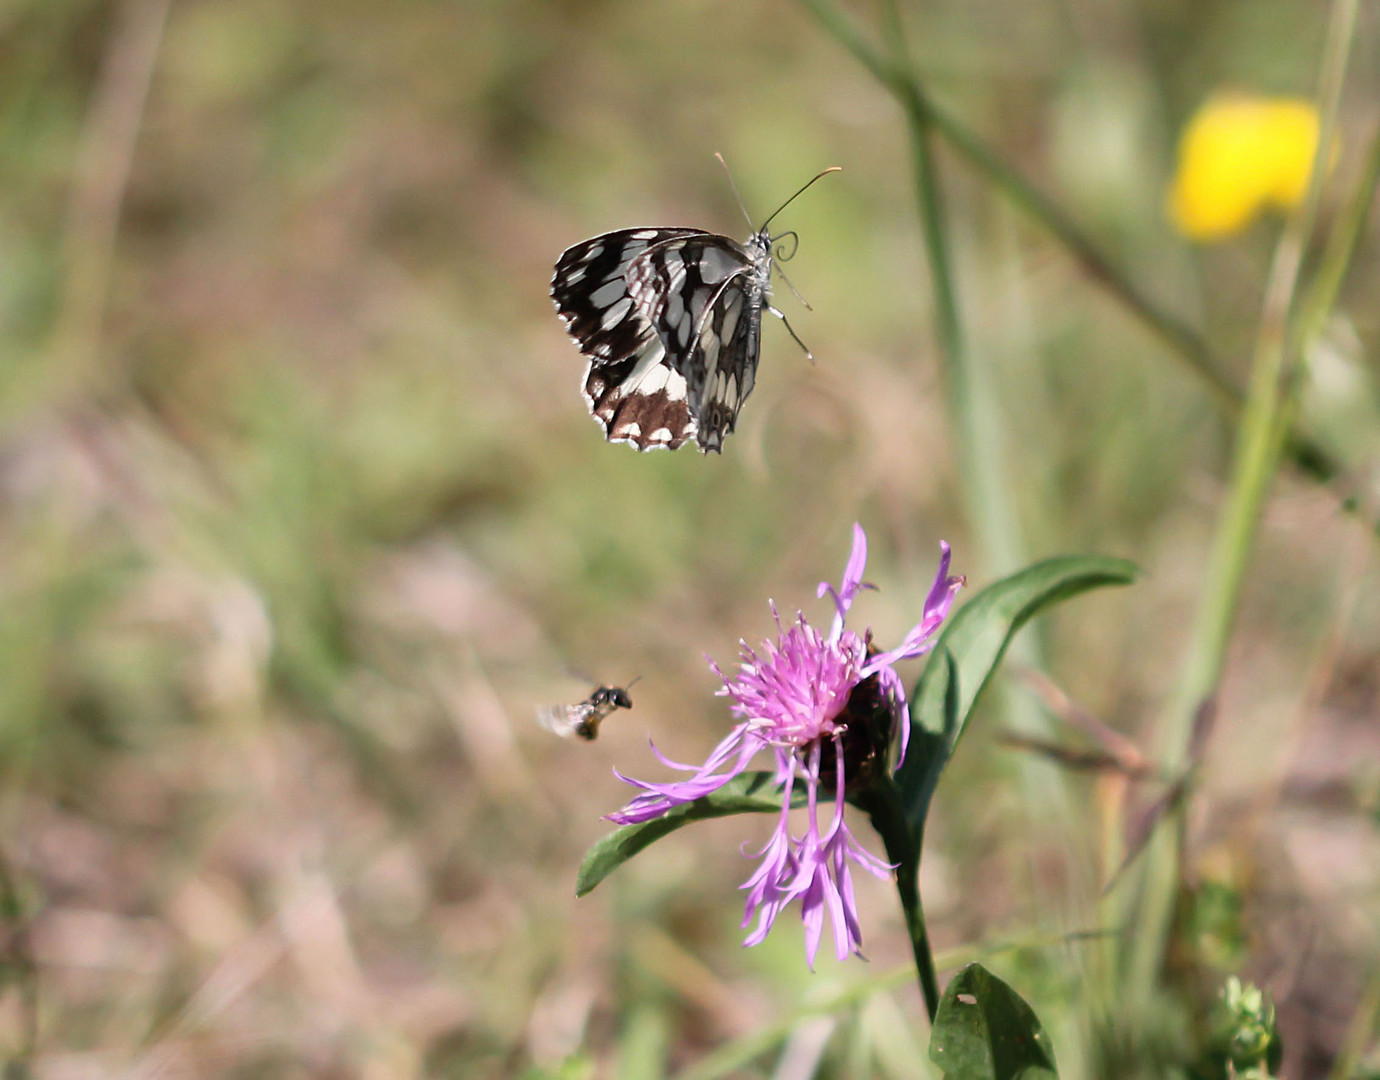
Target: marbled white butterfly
point(671, 320)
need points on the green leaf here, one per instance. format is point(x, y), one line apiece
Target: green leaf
point(752, 792)
point(979, 632)
point(971, 645)
point(984, 1030)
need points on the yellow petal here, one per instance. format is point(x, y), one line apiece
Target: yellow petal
point(1293, 127)
point(1237, 156)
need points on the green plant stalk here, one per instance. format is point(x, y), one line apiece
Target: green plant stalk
point(1271, 405)
point(19, 967)
point(970, 401)
point(975, 411)
point(643, 1036)
point(1341, 247)
point(899, 79)
point(934, 231)
point(1312, 459)
point(1360, 1033)
point(882, 804)
point(979, 442)
point(1175, 333)
point(1306, 454)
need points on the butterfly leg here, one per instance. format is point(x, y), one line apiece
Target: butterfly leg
point(780, 315)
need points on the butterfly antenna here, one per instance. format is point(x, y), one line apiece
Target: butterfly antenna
point(826, 172)
point(734, 188)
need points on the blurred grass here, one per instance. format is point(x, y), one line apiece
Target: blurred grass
point(301, 517)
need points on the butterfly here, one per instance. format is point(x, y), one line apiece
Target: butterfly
point(671, 321)
point(584, 717)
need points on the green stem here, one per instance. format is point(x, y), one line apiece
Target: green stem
point(975, 410)
point(897, 77)
point(882, 804)
point(1181, 338)
point(17, 957)
point(933, 226)
point(1342, 243)
point(971, 403)
point(1183, 341)
point(1271, 403)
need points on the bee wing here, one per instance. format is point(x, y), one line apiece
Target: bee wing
point(558, 719)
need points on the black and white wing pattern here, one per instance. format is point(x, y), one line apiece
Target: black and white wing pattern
point(636, 397)
point(671, 322)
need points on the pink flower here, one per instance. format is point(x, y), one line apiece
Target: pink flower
point(814, 702)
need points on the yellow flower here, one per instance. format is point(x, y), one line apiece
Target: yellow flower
point(1239, 156)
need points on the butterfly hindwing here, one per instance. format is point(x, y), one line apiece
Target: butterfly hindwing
point(640, 399)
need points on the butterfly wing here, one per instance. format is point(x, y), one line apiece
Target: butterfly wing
point(724, 365)
point(640, 399)
point(703, 296)
point(630, 388)
point(590, 289)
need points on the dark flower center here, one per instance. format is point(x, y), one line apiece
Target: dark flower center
point(866, 720)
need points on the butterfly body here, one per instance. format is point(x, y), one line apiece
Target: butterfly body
point(671, 321)
point(583, 718)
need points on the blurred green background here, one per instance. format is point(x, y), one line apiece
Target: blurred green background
point(302, 518)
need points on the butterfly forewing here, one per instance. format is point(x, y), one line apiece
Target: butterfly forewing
point(591, 292)
point(675, 282)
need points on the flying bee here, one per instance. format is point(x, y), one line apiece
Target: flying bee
point(584, 717)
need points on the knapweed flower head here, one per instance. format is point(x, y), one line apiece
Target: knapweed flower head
point(814, 701)
point(1239, 156)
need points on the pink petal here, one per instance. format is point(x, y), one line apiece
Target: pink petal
point(851, 583)
point(812, 915)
